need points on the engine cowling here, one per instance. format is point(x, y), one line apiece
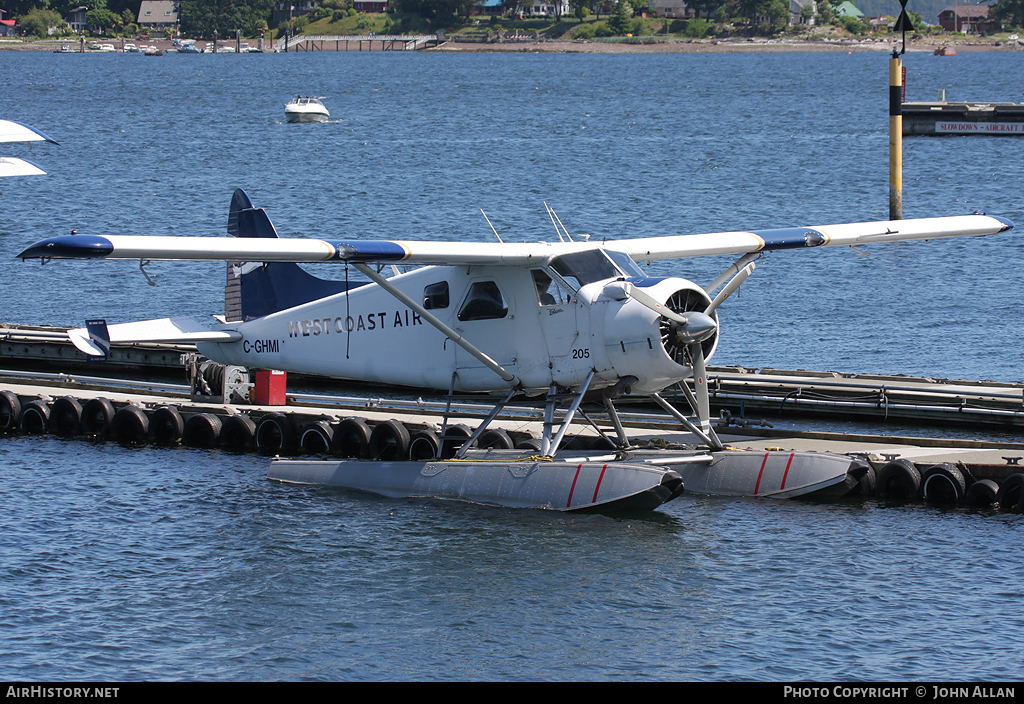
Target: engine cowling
point(639, 342)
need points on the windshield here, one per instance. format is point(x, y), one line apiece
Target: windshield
point(584, 268)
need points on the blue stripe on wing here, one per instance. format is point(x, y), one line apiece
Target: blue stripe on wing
point(70, 247)
point(791, 238)
point(356, 251)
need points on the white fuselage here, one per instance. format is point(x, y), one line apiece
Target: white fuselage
point(367, 334)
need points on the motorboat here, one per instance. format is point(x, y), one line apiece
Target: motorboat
point(152, 51)
point(131, 49)
point(306, 110)
point(188, 47)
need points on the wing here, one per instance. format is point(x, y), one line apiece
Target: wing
point(16, 132)
point(681, 246)
point(9, 166)
point(172, 330)
point(259, 249)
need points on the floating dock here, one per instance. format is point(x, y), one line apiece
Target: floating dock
point(942, 118)
point(396, 431)
point(736, 393)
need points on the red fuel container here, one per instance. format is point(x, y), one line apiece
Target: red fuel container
point(270, 388)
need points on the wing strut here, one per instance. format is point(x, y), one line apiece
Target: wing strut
point(507, 376)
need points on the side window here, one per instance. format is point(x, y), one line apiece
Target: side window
point(549, 291)
point(484, 302)
point(436, 295)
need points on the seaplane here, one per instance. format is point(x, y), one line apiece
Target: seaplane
point(16, 132)
point(568, 322)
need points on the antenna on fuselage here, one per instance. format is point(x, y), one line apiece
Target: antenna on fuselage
point(492, 226)
point(557, 223)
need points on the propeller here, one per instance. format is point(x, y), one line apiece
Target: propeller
point(685, 329)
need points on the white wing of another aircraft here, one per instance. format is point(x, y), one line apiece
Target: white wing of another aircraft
point(17, 132)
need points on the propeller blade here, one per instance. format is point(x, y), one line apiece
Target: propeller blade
point(730, 287)
point(646, 299)
point(700, 391)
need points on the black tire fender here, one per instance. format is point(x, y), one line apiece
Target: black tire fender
point(899, 480)
point(423, 446)
point(275, 435)
point(495, 439)
point(66, 417)
point(10, 411)
point(130, 426)
point(454, 438)
point(97, 414)
point(530, 444)
point(316, 438)
point(1011, 493)
point(237, 432)
point(202, 430)
point(167, 427)
point(982, 493)
point(35, 417)
point(943, 484)
point(389, 441)
point(352, 438)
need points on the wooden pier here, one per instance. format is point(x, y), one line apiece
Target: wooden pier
point(382, 42)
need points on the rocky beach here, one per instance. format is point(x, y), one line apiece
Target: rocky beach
point(648, 45)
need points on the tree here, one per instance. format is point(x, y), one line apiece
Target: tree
point(200, 18)
point(37, 22)
point(826, 12)
point(708, 7)
point(777, 12)
point(102, 18)
point(1009, 12)
point(621, 19)
point(580, 7)
point(434, 9)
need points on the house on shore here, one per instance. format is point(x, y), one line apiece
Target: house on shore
point(76, 19)
point(969, 19)
point(6, 26)
point(158, 14)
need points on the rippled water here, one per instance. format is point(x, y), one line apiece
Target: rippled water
point(119, 563)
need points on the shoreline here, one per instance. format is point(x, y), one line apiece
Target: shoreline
point(668, 46)
point(722, 46)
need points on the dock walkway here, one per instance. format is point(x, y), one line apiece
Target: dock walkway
point(372, 42)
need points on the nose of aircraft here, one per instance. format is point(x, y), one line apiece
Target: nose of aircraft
point(697, 327)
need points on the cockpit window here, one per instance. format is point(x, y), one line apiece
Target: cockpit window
point(484, 302)
point(435, 295)
point(549, 291)
point(628, 266)
point(584, 268)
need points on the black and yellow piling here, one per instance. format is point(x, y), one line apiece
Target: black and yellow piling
point(895, 138)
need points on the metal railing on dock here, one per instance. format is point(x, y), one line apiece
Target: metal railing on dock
point(371, 42)
point(767, 393)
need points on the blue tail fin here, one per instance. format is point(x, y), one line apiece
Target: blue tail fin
point(255, 289)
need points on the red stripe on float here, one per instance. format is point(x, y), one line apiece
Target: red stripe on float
point(758, 485)
point(598, 487)
point(573, 488)
point(786, 473)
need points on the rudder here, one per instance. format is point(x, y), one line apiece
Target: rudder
point(255, 289)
